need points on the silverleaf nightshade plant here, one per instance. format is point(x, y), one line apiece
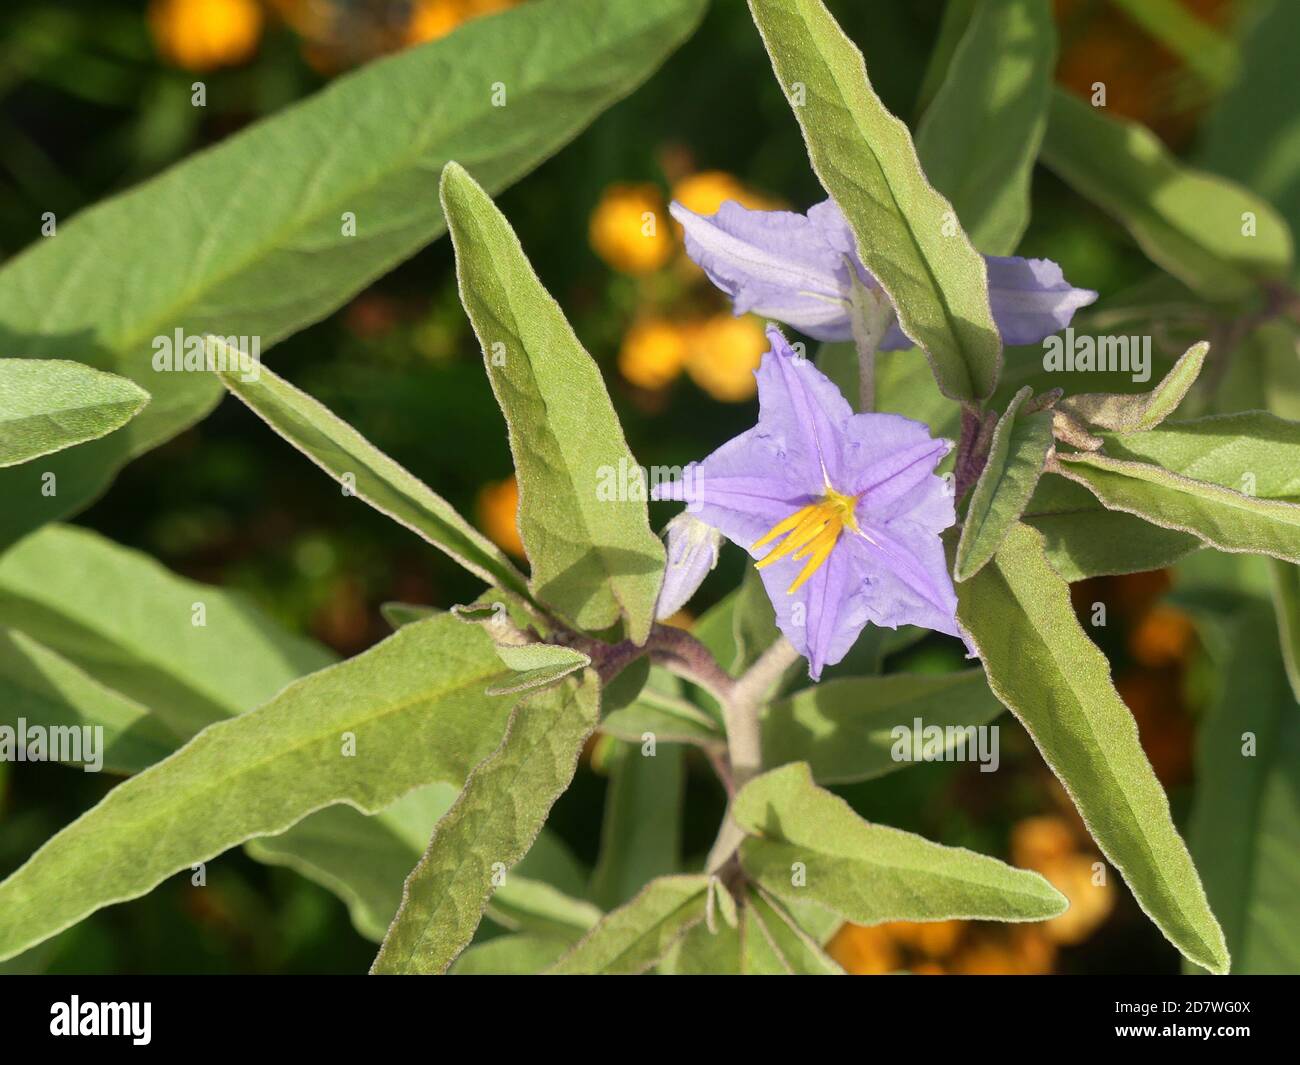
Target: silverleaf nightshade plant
point(466, 725)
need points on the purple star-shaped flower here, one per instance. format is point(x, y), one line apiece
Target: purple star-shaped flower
point(795, 269)
point(842, 510)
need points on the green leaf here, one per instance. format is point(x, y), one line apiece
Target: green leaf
point(1083, 539)
point(592, 553)
point(1198, 44)
point(362, 859)
point(523, 954)
point(537, 665)
point(706, 952)
point(906, 233)
point(1263, 373)
point(1245, 825)
point(1042, 665)
point(1144, 410)
point(49, 404)
point(1221, 517)
point(1019, 449)
point(1188, 222)
point(634, 937)
point(850, 729)
point(399, 614)
point(980, 134)
point(1285, 586)
point(1252, 134)
point(803, 842)
point(1253, 452)
point(370, 475)
point(412, 710)
point(45, 689)
point(250, 238)
point(660, 708)
point(155, 638)
point(499, 813)
point(641, 833)
point(753, 622)
point(796, 952)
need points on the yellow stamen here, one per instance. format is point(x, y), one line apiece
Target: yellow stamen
point(810, 532)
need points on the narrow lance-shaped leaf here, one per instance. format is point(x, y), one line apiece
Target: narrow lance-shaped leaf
point(1019, 449)
point(537, 665)
point(365, 471)
point(498, 814)
point(1285, 580)
point(1253, 453)
point(1222, 517)
point(1042, 665)
point(634, 937)
point(641, 832)
point(409, 711)
point(40, 687)
point(365, 860)
point(162, 641)
point(795, 951)
point(805, 843)
point(1245, 823)
point(49, 404)
point(1211, 234)
point(582, 498)
point(283, 222)
point(850, 729)
point(907, 233)
point(1084, 539)
point(1144, 410)
point(980, 134)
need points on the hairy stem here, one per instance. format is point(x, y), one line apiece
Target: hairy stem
point(744, 738)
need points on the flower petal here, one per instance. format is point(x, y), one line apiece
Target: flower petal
point(740, 489)
point(908, 573)
point(692, 553)
point(773, 263)
point(1031, 298)
point(894, 459)
point(803, 413)
point(824, 617)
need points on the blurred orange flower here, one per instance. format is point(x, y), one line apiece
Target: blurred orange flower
point(205, 34)
point(498, 515)
point(706, 191)
point(431, 19)
point(864, 950)
point(1162, 637)
point(627, 229)
point(723, 355)
point(653, 353)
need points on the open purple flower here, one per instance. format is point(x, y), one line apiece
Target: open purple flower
point(842, 510)
point(795, 269)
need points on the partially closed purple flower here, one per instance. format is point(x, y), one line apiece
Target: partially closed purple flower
point(795, 269)
point(842, 510)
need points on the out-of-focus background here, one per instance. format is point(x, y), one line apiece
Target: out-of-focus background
point(95, 97)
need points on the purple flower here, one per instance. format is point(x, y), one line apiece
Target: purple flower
point(795, 269)
point(842, 510)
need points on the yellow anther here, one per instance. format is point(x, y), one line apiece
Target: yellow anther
point(810, 532)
